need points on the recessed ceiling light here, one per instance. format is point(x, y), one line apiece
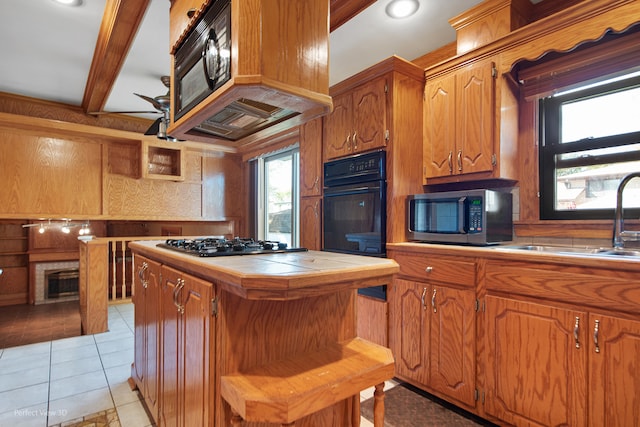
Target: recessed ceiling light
point(402, 8)
point(73, 3)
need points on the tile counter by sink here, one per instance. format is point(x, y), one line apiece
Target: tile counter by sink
point(220, 316)
point(280, 275)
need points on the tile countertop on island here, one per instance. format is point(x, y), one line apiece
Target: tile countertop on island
point(278, 276)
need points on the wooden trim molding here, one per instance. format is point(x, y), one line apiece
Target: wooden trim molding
point(119, 26)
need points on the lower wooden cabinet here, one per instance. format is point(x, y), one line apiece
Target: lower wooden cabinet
point(536, 363)
point(186, 391)
point(146, 364)
point(614, 371)
point(562, 361)
point(433, 329)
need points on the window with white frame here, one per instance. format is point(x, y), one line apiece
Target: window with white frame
point(276, 196)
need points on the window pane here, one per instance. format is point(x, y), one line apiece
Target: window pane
point(611, 114)
point(278, 174)
point(594, 187)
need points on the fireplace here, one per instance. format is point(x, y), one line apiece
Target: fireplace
point(63, 270)
point(61, 283)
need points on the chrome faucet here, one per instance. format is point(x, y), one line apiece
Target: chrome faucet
point(619, 235)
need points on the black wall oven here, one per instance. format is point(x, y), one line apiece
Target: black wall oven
point(354, 208)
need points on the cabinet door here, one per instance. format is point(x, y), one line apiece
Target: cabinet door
point(614, 369)
point(408, 319)
point(146, 320)
point(439, 127)
point(311, 158)
point(453, 349)
point(195, 298)
point(338, 129)
point(310, 223)
point(179, 17)
point(170, 327)
point(475, 118)
point(369, 115)
point(535, 374)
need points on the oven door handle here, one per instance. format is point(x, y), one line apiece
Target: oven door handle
point(333, 192)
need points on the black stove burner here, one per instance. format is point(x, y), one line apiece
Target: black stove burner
point(217, 246)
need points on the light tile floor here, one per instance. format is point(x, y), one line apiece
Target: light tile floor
point(56, 381)
point(53, 382)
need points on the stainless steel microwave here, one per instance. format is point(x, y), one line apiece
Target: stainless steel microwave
point(474, 217)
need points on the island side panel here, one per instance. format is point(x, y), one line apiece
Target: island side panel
point(253, 332)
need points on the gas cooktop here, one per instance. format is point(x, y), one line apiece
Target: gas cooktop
point(219, 246)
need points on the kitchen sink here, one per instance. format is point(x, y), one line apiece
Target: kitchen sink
point(573, 250)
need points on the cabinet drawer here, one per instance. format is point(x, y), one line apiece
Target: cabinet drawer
point(425, 267)
point(613, 290)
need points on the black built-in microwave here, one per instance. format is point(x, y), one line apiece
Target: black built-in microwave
point(202, 63)
point(474, 217)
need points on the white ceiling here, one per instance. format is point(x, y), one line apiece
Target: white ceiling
point(47, 48)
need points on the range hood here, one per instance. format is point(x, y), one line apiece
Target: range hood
point(279, 74)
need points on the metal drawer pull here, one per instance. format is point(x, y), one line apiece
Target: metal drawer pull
point(460, 161)
point(596, 328)
point(423, 298)
point(576, 329)
point(450, 161)
point(433, 301)
point(429, 269)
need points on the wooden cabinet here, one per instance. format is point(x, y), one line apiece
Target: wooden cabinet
point(181, 13)
point(409, 329)
point(163, 161)
point(535, 374)
point(573, 359)
point(311, 223)
point(14, 262)
point(459, 121)
point(311, 182)
point(147, 321)
point(359, 120)
point(187, 346)
point(433, 324)
point(614, 366)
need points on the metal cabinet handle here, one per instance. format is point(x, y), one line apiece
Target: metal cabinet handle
point(176, 294)
point(355, 140)
point(596, 329)
point(191, 12)
point(143, 268)
point(429, 269)
point(576, 330)
point(423, 298)
point(349, 142)
point(450, 161)
point(460, 161)
point(433, 300)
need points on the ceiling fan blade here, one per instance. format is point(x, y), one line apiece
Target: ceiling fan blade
point(100, 113)
point(159, 106)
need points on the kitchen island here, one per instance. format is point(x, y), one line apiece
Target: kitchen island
point(200, 321)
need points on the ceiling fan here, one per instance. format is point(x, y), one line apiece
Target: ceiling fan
point(162, 104)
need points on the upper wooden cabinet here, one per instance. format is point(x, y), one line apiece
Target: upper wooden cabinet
point(181, 14)
point(469, 123)
point(358, 122)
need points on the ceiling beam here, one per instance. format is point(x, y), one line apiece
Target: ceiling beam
point(118, 29)
point(344, 10)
